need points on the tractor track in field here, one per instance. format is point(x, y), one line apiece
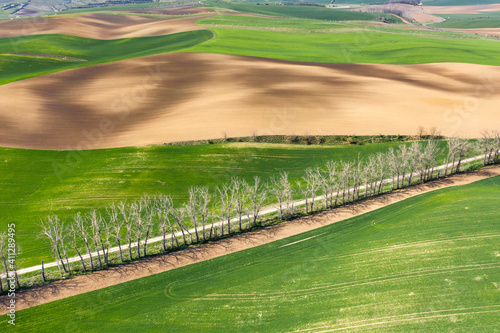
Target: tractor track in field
point(85, 283)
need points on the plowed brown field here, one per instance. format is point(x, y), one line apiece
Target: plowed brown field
point(101, 26)
point(189, 96)
point(462, 9)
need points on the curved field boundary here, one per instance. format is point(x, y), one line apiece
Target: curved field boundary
point(198, 96)
point(43, 55)
point(82, 284)
point(101, 26)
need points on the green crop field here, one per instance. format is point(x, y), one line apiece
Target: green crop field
point(470, 21)
point(309, 12)
point(240, 21)
point(38, 183)
point(95, 51)
point(351, 47)
point(430, 263)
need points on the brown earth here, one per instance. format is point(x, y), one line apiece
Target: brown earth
point(100, 26)
point(414, 13)
point(482, 31)
point(98, 280)
point(34, 9)
point(461, 9)
point(193, 96)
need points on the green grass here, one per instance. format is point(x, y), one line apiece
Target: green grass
point(38, 183)
point(429, 264)
point(470, 21)
point(95, 51)
point(239, 21)
point(351, 47)
point(309, 12)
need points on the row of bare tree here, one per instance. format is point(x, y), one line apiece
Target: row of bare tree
point(210, 215)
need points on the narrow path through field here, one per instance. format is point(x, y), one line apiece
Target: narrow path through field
point(102, 279)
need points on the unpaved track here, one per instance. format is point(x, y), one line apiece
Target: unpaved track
point(193, 96)
point(136, 270)
point(101, 26)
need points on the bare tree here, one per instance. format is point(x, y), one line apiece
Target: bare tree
point(453, 146)
point(128, 212)
point(381, 168)
point(191, 210)
point(330, 182)
point(7, 252)
point(73, 235)
point(464, 147)
point(394, 163)
point(370, 172)
point(95, 227)
point(116, 226)
point(280, 187)
point(204, 201)
point(165, 205)
point(429, 156)
point(238, 189)
point(179, 214)
point(357, 177)
point(149, 214)
point(3, 251)
point(140, 218)
point(79, 225)
point(256, 194)
point(197, 209)
point(225, 204)
point(345, 180)
point(309, 187)
point(60, 238)
point(50, 228)
point(413, 160)
point(404, 157)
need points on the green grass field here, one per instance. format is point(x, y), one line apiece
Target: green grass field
point(309, 12)
point(38, 183)
point(470, 21)
point(429, 264)
point(351, 47)
point(95, 51)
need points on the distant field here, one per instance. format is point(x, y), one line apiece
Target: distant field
point(428, 264)
point(240, 21)
point(309, 12)
point(347, 47)
point(37, 183)
point(470, 21)
point(453, 2)
point(96, 51)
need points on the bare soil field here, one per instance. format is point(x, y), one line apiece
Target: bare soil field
point(193, 96)
point(98, 280)
point(35, 9)
point(478, 9)
point(100, 26)
point(482, 31)
point(410, 12)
